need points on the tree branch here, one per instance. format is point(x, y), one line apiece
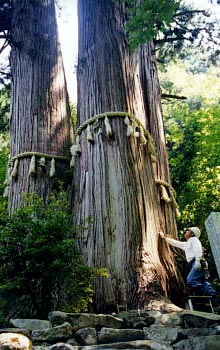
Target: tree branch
point(168, 96)
point(182, 13)
point(4, 46)
point(170, 40)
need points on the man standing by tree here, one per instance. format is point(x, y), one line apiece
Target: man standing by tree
point(196, 278)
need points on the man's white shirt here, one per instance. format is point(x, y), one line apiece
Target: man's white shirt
point(192, 247)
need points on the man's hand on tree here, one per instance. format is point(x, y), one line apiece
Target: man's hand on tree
point(162, 235)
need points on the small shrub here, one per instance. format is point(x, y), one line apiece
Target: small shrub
point(40, 266)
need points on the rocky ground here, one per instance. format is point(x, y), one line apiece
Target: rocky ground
point(162, 327)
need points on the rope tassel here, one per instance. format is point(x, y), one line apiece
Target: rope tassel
point(32, 169)
point(8, 176)
point(164, 194)
point(89, 136)
point(172, 194)
point(74, 149)
point(130, 130)
point(108, 127)
point(143, 138)
point(6, 192)
point(150, 147)
point(14, 172)
point(153, 158)
point(177, 213)
point(42, 161)
point(52, 167)
point(136, 130)
point(78, 144)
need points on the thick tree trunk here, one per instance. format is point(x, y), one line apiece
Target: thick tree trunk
point(154, 123)
point(114, 176)
point(40, 114)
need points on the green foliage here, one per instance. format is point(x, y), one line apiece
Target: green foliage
point(192, 134)
point(4, 110)
point(149, 18)
point(73, 115)
point(191, 29)
point(194, 152)
point(40, 267)
point(174, 26)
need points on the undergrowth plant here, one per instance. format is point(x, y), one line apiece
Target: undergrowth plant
point(40, 266)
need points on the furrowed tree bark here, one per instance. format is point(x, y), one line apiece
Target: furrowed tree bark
point(40, 113)
point(114, 177)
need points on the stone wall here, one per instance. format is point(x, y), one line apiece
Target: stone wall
point(156, 329)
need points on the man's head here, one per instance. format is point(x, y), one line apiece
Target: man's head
point(192, 232)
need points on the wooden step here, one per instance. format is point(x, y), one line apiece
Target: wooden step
point(200, 303)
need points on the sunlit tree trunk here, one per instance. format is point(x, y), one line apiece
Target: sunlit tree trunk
point(40, 114)
point(154, 123)
point(114, 184)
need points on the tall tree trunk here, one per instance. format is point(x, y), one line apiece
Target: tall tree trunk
point(114, 176)
point(40, 113)
point(154, 123)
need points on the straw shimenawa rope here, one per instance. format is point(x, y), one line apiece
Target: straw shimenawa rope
point(172, 194)
point(132, 123)
point(13, 165)
point(113, 115)
point(134, 128)
point(38, 154)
